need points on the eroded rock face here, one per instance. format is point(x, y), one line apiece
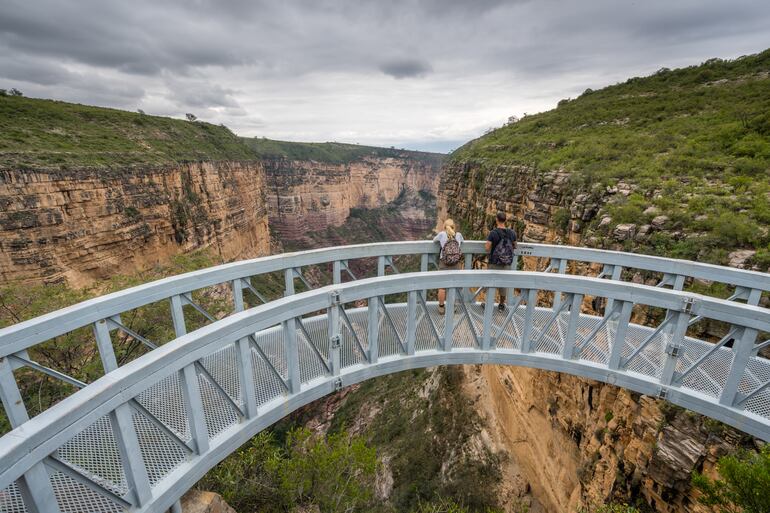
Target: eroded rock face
point(83, 225)
point(577, 442)
point(308, 196)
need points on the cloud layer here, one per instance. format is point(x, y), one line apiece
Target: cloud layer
point(414, 73)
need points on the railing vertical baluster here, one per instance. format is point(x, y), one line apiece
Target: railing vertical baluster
point(619, 341)
point(124, 432)
point(246, 378)
point(104, 345)
point(177, 316)
point(489, 306)
point(380, 265)
point(336, 272)
point(373, 328)
point(678, 282)
point(529, 317)
point(237, 286)
point(288, 278)
point(754, 296)
point(561, 268)
point(424, 268)
point(335, 334)
point(411, 321)
point(674, 346)
point(467, 265)
point(617, 272)
point(35, 485)
point(449, 317)
point(193, 402)
point(568, 351)
point(292, 354)
point(742, 351)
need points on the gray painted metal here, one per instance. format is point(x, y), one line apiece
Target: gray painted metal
point(213, 395)
point(149, 470)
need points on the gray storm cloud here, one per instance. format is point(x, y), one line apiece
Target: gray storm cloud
point(325, 69)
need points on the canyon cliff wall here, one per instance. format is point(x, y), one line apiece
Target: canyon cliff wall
point(83, 225)
point(577, 442)
point(309, 196)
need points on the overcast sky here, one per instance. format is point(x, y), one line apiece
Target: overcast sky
point(421, 74)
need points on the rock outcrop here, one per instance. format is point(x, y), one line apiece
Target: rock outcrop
point(306, 195)
point(82, 225)
point(578, 442)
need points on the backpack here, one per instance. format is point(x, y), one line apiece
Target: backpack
point(503, 253)
point(451, 254)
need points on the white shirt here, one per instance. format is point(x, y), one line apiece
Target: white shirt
point(443, 238)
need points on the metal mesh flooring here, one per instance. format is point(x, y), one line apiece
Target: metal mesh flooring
point(162, 435)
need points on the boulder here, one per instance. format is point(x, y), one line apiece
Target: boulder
point(196, 501)
point(651, 211)
point(740, 258)
point(606, 220)
point(624, 231)
point(643, 232)
point(659, 222)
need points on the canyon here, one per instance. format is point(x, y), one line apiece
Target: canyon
point(83, 225)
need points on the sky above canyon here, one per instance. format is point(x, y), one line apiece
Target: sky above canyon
point(418, 74)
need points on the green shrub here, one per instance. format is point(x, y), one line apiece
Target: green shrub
point(742, 485)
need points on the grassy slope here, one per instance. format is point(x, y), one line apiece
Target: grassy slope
point(334, 152)
point(50, 134)
point(695, 141)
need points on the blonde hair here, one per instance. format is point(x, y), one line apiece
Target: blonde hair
point(449, 228)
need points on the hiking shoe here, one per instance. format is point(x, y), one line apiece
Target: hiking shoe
point(441, 309)
point(501, 307)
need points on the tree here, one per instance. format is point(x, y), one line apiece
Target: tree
point(15, 92)
point(191, 117)
point(743, 483)
point(140, 111)
point(335, 473)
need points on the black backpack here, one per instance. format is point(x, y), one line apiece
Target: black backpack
point(503, 252)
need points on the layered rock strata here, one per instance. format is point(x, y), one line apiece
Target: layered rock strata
point(83, 225)
point(309, 196)
point(578, 442)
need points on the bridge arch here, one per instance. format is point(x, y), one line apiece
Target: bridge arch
point(209, 391)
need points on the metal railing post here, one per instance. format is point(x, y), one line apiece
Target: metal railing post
point(373, 328)
point(616, 350)
point(529, 316)
point(674, 347)
point(617, 272)
point(190, 384)
point(489, 306)
point(177, 316)
point(35, 484)
point(104, 345)
point(237, 287)
point(336, 272)
point(424, 268)
point(411, 321)
point(288, 278)
point(568, 351)
point(124, 432)
point(292, 354)
point(335, 334)
point(742, 351)
point(246, 377)
point(449, 317)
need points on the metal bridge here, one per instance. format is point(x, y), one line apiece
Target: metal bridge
point(140, 436)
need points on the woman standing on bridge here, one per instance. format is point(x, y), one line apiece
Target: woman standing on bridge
point(450, 256)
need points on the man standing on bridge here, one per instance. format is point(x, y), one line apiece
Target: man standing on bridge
point(500, 245)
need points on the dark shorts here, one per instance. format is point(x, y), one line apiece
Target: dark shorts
point(456, 267)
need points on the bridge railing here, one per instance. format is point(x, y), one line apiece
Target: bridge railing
point(138, 437)
point(104, 316)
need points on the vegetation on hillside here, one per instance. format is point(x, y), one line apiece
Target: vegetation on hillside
point(744, 478)
point(333, 152)
point(51, 134)
point(692, 143)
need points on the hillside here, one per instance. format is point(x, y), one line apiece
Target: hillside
point(690, 144)
point(331, 152)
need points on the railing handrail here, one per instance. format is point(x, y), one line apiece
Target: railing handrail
point(21, 336)
point(31, 442)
